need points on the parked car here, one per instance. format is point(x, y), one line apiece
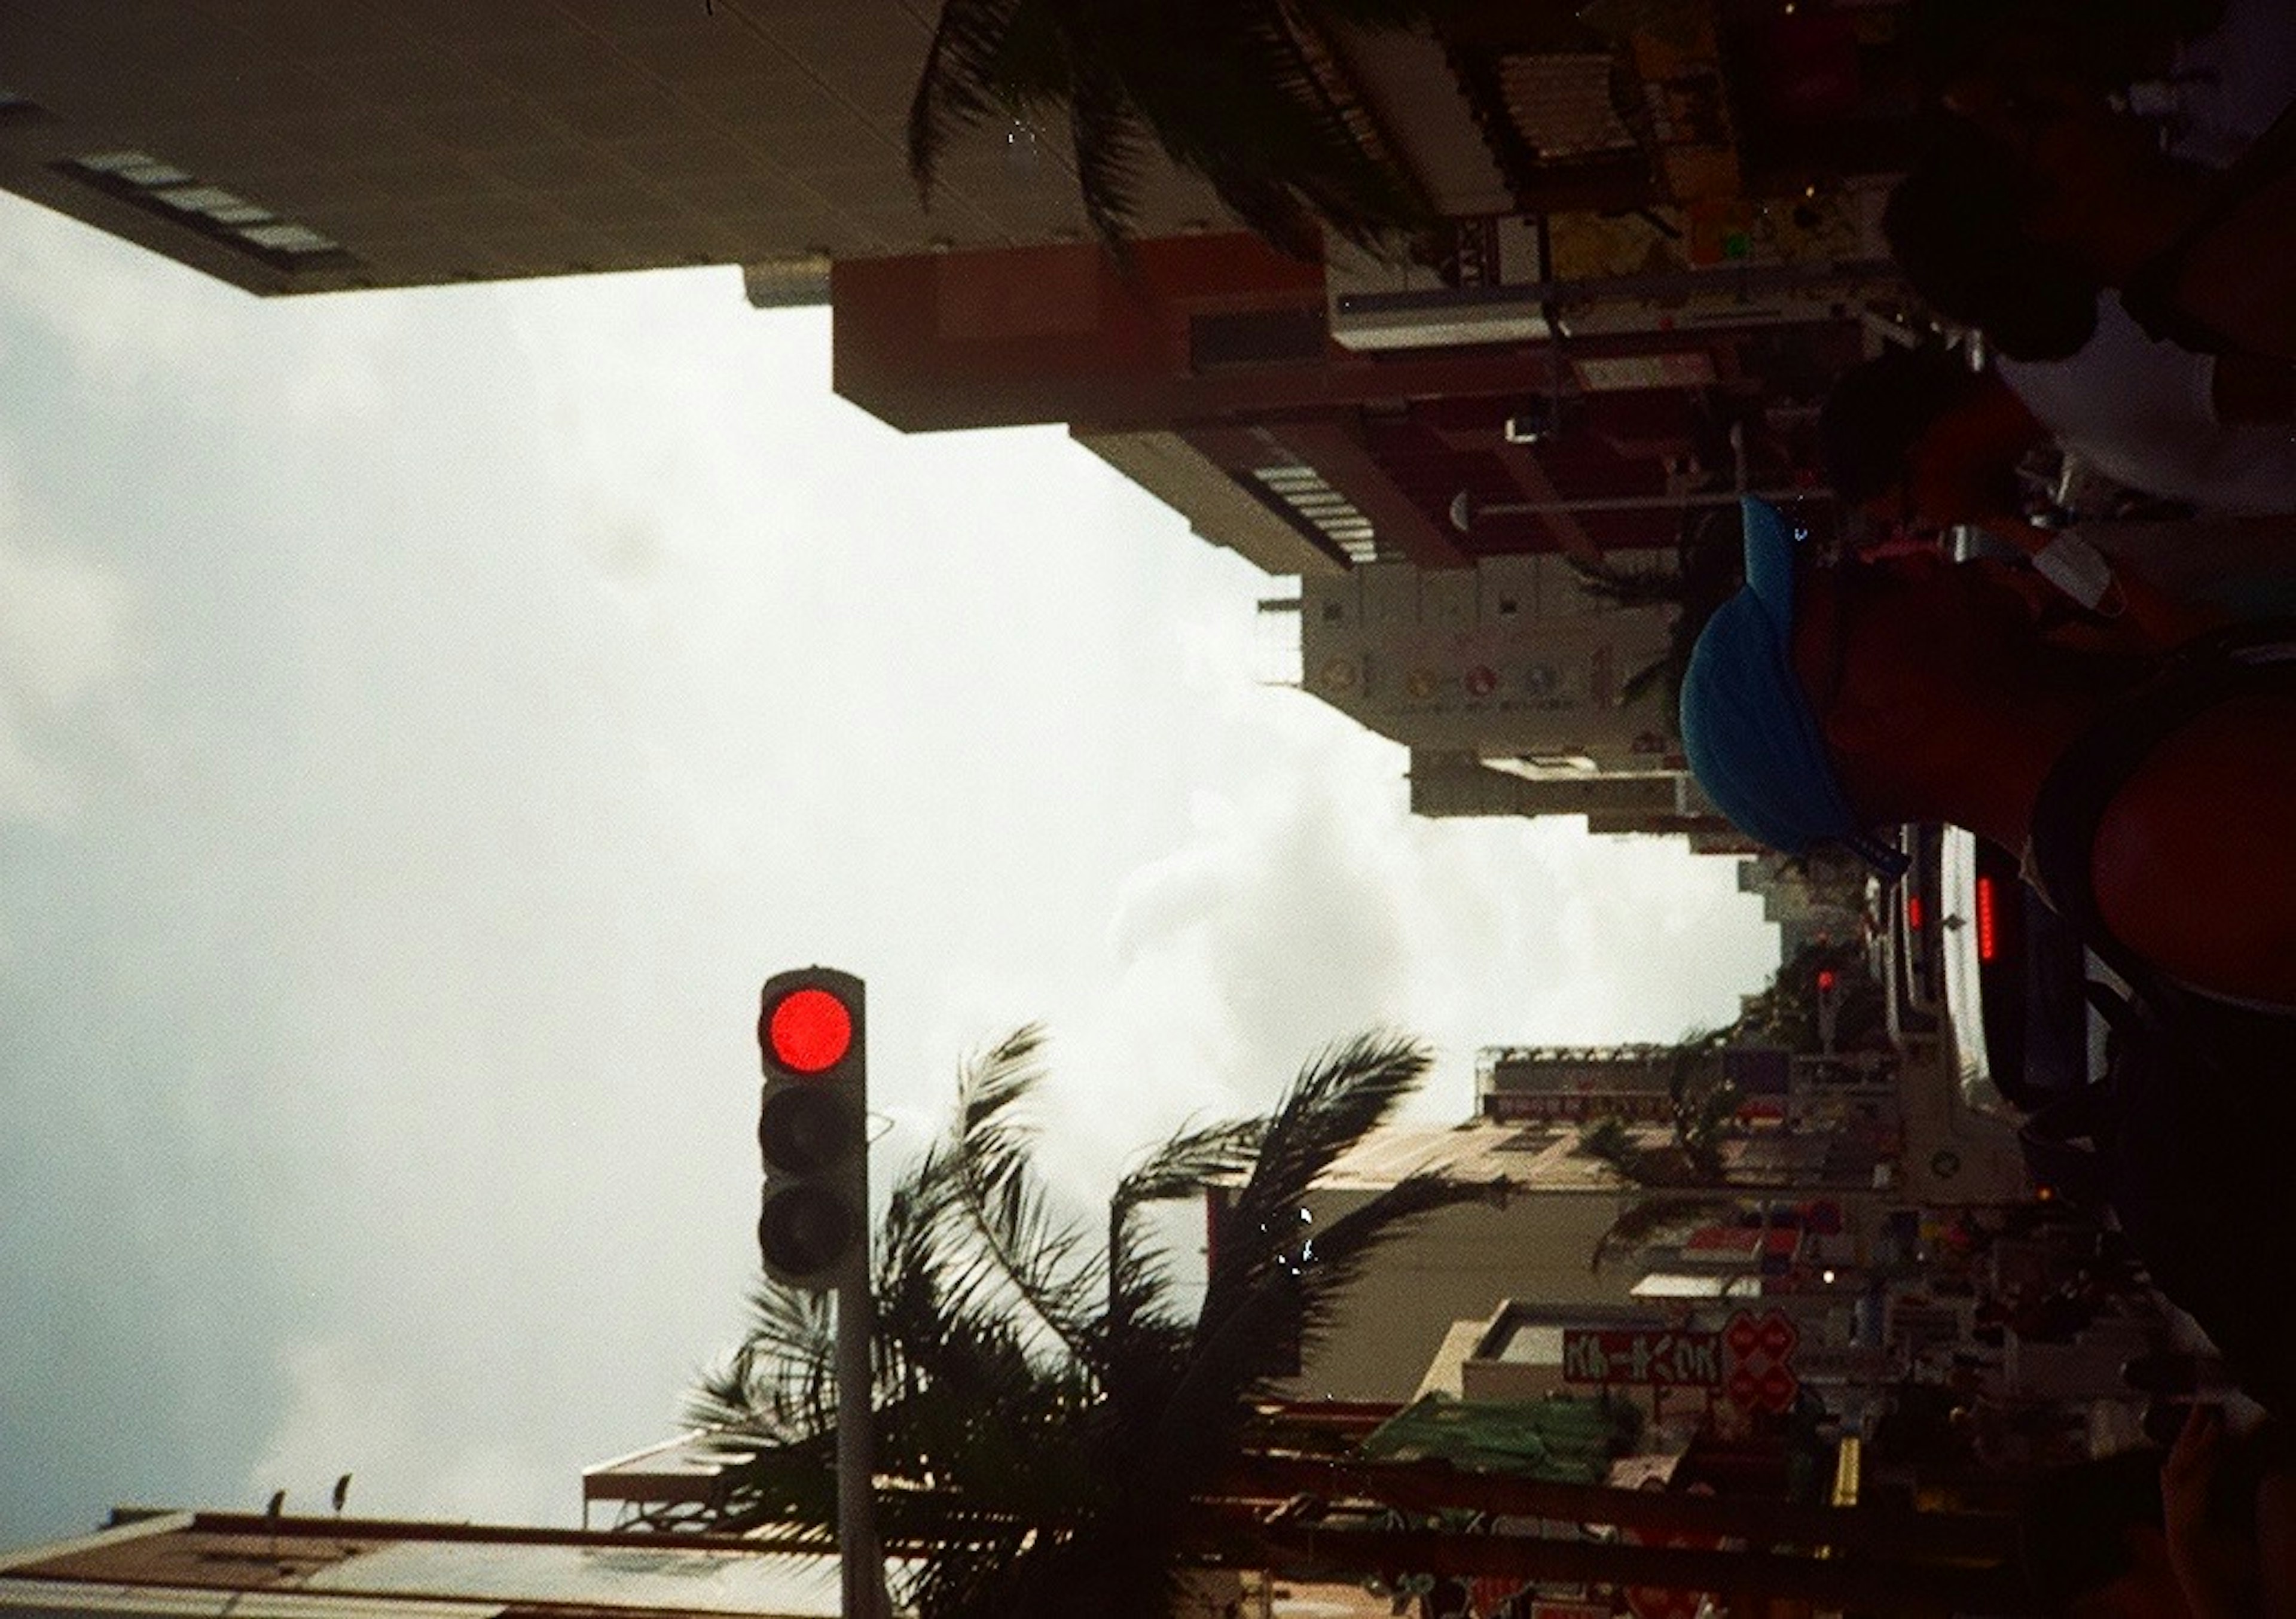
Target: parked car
point(2018, 1022)
point(1908, 961)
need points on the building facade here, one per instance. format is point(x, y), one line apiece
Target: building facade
point(1656, 240)
point(290, 148)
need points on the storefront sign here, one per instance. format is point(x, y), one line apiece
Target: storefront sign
point(1649, 1357)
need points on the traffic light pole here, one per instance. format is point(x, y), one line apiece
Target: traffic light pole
point(861, 1557)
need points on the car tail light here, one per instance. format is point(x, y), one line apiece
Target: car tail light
point(1988, 940)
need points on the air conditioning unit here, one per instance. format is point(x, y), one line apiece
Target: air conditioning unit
point(1490, 294)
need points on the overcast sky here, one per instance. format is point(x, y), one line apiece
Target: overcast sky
point(424, 719)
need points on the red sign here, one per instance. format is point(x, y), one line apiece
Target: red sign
point(1759, 1350)
point(1651, 1357)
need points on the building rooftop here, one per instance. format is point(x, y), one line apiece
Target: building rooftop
point(1534, 1157)
point(351, 1568)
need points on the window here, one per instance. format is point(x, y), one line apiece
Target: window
point(159, 186)
point(1302, 492)
point(135, 167)
point(288, 238)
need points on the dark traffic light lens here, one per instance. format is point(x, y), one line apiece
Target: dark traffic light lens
point(803, 1130)
point(805, 1229)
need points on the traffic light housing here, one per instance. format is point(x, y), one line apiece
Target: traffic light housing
point(812, 1128)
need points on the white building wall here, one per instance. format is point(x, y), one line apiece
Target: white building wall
point(1511, 661)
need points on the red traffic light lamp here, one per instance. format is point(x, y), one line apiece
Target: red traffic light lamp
point(807, 1032)
point(813, 1137)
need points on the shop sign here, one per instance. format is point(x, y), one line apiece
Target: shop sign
point(1651, 1358)
point(1761, 1375)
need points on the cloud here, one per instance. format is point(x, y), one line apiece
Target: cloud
point(352, 1407)
point(141, 331)
point(64, 626)
point(526, 682)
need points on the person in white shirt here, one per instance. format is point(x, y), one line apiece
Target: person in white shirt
point(2148, 416)
point(1917, 438)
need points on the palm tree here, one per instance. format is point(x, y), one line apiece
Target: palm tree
point(1046, 1411)
point(1702, 1106)
point(1228, 89)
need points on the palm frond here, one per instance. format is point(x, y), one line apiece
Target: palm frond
point(792, 1487)
point(776, 1387)
point(1182, 1166)
point(1608, 1140)
point(982, 1185)
point(1139, 1275)
point(1285, 1314)
point(1342, 1248)
point(1689, 1060)
point(1105, 135)
point(1222, 87)
point(1344, 1094)
point(957, 86)
point(1252, 118)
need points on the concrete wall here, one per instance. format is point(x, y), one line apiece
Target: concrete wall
point(1460, 1264)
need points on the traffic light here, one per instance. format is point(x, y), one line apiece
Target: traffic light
point(812, 1128)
